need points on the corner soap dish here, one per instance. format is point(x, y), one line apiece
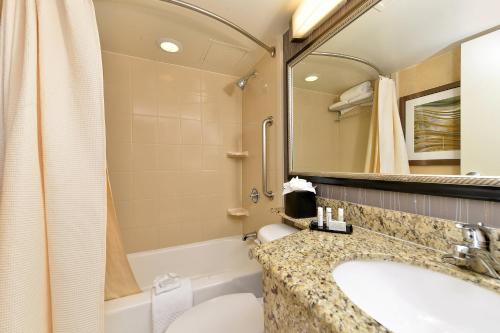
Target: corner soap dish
point(238, 212)
point(237, 154)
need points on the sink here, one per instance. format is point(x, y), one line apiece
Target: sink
point(407, 299)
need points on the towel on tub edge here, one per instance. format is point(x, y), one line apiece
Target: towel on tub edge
point(167, 305)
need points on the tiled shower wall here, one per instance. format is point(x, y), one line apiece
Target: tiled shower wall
point(463, 210)
point(261, 99)
point(168, 130)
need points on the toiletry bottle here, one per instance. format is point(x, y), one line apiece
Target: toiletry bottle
point(329, 217)
point(341, 215)
point(320, 217)
point(340, 225)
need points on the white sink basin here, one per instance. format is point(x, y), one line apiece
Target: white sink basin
point(407, 298)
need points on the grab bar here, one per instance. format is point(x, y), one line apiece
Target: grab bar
point(267, 122)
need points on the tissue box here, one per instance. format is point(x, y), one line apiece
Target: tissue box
point(300, 204)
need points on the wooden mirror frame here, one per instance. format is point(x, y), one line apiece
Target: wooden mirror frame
point(480, 188)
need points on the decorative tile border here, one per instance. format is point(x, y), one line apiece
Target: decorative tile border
point(455, 209)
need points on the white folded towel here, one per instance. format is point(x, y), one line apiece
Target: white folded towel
point(361, 97)
point(170, 297)
point(356, 90)
point(339, 106)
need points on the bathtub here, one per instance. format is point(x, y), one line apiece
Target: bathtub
point(216, 267)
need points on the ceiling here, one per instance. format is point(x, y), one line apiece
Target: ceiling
point(335, 75)
point(397, 34)
point(133, 27)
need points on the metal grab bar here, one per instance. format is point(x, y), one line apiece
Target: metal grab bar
point(267, 122)
point(270, 49)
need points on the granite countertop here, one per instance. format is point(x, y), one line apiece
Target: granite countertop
point(303, 262)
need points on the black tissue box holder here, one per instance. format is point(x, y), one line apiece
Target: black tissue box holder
point(300, 204)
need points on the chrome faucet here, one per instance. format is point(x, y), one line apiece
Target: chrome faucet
point(480, 251)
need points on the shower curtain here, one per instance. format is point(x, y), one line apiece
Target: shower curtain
point(386, 150)
point(52, 168)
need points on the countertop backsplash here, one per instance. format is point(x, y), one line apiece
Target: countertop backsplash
point(448, 208)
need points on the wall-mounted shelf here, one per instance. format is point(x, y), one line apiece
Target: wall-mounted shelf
point(342, 107)
point(238, 212)
point(237, 154)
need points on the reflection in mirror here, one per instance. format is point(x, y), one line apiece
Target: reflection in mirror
point(410, 87)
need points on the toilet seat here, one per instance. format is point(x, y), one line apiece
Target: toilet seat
point(240, 313)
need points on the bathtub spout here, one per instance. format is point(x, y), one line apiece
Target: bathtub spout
point(250, 235)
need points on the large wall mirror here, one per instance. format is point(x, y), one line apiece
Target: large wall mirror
point(410, 88)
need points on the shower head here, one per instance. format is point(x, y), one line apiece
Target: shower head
point(241, 83)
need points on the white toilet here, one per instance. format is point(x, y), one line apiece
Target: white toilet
point(240, 313)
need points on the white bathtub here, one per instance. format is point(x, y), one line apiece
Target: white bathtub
point(216, 267)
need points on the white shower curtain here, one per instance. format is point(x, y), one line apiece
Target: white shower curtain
point(52, 168)
point(386, 151)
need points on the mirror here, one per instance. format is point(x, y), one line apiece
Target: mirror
point(410, 87)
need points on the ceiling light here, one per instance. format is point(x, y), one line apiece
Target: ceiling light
point(170, 45)
point(311, 78)
point(310, 14)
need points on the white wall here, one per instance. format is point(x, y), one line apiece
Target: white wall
point(480, 100)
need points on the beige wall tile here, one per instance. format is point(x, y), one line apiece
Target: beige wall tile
point(118, 127)
point(190, 105)
point(169, 128)
point(210, 111)
point(191, 181)
point(121, 184)
point(144, 157)
point(170, 184)
point(117, 83)
point(119, 156)
point(170, 235)
point(125, 213)
point(169, 210)
point(144, 87)
point(145, 185)
point(191, 132)
point(212, 182)
point(169, 157)
point(211, 158)
point(191, 232)
point(140, 238)
point(232, 136)
point(146, 212)
point(212, 134)
point(145, 129)
point(191, 158)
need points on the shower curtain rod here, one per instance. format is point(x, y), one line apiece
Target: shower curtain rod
point(348, 57)
point(270, 49)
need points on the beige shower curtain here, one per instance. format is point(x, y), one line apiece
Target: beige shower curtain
point(120, 280)
point(386, 149)
point(52, 168)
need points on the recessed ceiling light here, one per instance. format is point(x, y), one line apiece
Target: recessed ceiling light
point(170, 45)
point(311, 78)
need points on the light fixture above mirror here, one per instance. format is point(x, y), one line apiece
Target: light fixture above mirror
point(310, 14)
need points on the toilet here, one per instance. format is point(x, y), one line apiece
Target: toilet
point(240, 313)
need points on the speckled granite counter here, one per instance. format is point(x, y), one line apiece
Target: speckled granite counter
point(300, 293)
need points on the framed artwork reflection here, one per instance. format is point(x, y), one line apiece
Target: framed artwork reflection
point(431, 124)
